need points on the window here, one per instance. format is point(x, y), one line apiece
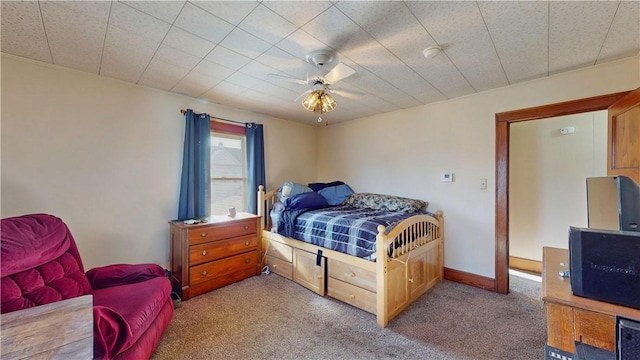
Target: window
point(228, 168)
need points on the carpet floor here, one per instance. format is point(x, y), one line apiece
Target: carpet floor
point(270, 317)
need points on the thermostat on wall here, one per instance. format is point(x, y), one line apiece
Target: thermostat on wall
point(447, 177)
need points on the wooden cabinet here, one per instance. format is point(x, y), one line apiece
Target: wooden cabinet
point(623, 157)
point(206, 256)
point(573, 318)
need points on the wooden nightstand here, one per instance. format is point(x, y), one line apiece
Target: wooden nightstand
point(206, 256)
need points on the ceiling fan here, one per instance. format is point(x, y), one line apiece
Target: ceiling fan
point(318, 99)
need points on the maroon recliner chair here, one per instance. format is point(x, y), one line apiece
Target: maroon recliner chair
point(40, 264)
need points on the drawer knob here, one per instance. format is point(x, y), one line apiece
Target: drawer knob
point(246, 227)
point(353, 296)
point(275, 266)
point(246, 261)
point(353, 274)
point(204, 273)
point(204, 234)
point(204, 252)
point(246, 243)
point(411, 280)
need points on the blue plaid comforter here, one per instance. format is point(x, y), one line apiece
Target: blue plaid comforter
point(345, 229)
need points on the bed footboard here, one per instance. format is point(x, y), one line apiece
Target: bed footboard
point(410, 261)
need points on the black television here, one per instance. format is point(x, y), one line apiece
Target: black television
point(605, 265)
point(613, 203)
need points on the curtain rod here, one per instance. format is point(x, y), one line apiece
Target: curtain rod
point(183, 111)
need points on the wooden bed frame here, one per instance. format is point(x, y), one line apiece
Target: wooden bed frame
point(384, 287)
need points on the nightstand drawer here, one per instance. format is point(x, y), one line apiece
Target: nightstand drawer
point(214, 250)
point(219, 232)
point(223, 267)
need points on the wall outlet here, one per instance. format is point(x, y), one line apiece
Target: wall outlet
point(447, 177)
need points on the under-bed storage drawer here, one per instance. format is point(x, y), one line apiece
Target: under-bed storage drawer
point(280, 267)
point(352, 275)
point(280, 251)
point(307, 272)
point(351, 294)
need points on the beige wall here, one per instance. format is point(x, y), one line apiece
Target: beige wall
point(405, 152)
point(547, 172)
point(105, 156)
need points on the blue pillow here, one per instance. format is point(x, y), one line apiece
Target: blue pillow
point(295, 190)
point(336, 195)
point(319, 186)
point(307, 200)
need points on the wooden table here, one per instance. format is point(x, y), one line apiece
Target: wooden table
point(573, 318)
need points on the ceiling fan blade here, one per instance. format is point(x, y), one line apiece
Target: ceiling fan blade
point(288, 79)
point(347, 93)
point(338, 73)
point(302, 95)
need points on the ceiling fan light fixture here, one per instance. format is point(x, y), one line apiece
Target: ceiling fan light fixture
point(319, 102)
point(431, 52)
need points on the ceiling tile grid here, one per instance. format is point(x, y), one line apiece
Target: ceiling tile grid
point(519, 31)
point(253, 54)
point(76, 33)
point(267, 25)
point(577, 31)
point(23, 31)
point(624, 35)
point(188, 43)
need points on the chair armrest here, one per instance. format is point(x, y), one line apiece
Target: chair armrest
point(122, 274)
point(35, 331)
point(111, 333)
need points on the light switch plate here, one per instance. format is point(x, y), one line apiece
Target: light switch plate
point(447, 177)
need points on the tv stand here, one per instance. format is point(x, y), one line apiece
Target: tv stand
point(573, 318)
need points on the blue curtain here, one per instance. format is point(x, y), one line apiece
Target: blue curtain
point(195, 189)
point(255, 163)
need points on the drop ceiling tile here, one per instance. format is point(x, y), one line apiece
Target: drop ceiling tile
point(520, 33)
point(209, 68)
point(23, 32)
point(623, 39)
point(300, 44)
point(137, 23)
point(283, 61)
point(243, 80)
point(577, 31)
point(245, 44)
point(187, 42)
point(258, 70)
point(459, 28)
point(126, 55)
point(298, 12)
point(286, 95)
point(225, 57)
point(223, 90)
point(332, 27)
point(199, 22)
point(195, 84)
point(176, 57)
point(267, 25)
point(166, 11)
point(161, 75)
point(76, 33)
point(231, 11)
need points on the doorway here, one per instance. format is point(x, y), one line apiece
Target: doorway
point(503, 122)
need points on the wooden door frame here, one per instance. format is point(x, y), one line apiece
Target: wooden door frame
point(503, 121)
